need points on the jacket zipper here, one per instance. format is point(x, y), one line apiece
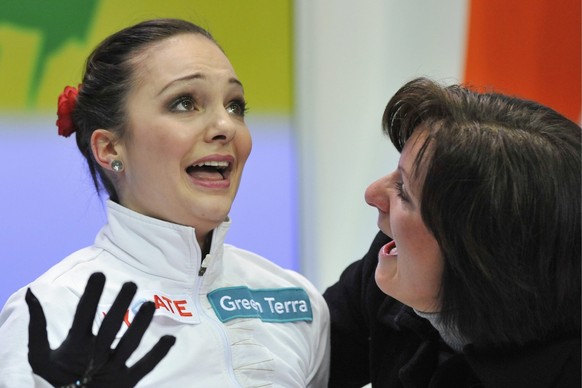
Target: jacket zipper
point(204, 265)
point(219, 328)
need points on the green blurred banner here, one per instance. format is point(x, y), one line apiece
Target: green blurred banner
point(44, 44)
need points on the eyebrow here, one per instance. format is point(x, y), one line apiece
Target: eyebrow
point(194, 76)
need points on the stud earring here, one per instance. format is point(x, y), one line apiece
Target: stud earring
point(117, 165)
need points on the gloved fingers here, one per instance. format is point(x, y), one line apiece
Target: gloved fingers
point(66, 363)
point(133, 335)
point(114, 319)
point(148, 362)
point(81, 329)
point(38, 345)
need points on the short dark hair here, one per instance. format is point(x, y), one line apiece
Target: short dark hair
point(107, 80)
point(501, 195)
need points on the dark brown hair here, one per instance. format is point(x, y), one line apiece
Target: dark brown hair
point(501, 195)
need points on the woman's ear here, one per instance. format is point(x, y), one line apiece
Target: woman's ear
point(105, 148)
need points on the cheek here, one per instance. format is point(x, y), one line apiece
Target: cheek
point(244, 144)
point(156, 157)
point(165, 142)
point(426, 241)
point(429, 265)
point(419, 246)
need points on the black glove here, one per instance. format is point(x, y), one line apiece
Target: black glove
point(86, 360)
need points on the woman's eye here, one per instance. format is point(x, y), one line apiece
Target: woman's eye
point(183, 104)
point(237, 107)
point(400, 191)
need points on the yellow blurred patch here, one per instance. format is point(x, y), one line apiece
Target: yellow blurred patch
point(256, 35)
point(18, 55)
point(60, 71)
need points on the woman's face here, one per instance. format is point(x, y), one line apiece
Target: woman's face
point(409, 268)
point(186, 140)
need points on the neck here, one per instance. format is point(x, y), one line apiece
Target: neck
point(205, 241)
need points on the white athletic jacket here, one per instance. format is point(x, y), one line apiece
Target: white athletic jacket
point(245, 322)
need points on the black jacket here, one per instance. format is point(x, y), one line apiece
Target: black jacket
point(375, 338)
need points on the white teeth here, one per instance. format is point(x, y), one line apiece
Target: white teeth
point(214, 164)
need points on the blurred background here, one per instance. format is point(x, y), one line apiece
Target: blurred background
point(317, 75)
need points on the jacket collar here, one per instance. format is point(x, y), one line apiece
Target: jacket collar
point(154, 246)
point(401, 317)
point(538, 365)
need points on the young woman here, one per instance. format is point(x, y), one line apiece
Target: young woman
point(160, 118)
point(474, 279)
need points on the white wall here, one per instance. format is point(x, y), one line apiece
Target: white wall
point(351, 56)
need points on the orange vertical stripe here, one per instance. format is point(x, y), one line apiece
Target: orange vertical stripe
point(527, 48)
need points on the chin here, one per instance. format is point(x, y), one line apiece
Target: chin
point(215, 220)
point(383, 281)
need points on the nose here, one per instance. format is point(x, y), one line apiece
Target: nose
point(377, 194)
point(221, 126)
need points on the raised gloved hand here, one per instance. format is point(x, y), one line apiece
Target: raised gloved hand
point(86, 360)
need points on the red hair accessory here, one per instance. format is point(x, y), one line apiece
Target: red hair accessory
point(67, 101)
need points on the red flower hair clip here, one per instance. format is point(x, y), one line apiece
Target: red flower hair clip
point(67, 101)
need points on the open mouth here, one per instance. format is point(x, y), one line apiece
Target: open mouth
point(389, 249)
point(211, 170)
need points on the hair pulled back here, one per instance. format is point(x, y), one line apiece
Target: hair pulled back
point(107, 80)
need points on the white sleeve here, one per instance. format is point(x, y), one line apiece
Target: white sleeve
point(15, 371)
